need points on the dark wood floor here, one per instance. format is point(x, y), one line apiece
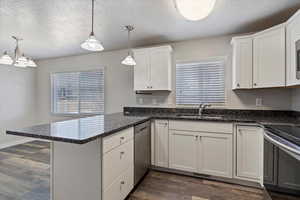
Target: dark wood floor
point(25, 175)
point(25, 172)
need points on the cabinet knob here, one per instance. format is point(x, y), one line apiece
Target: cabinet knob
point(238, 85)
point(255, 84)
point(122, 182)
point(196, 137)
point(122, 138)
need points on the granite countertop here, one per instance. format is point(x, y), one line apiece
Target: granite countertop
point(83, 130)
point(80, 131)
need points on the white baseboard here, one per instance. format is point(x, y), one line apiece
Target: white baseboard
point(16, 142)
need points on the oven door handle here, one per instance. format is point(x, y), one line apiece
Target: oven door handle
point(285, 145)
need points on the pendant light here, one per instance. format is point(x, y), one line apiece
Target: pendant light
point(194, 10)
point(19, 59)
point(129, 60)
point(6, 59)
point(92, 44)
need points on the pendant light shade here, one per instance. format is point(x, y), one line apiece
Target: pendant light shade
point(92, 44)
point(6, 59)
point(195, 9)
point(21, 61)
point(129, 60)
point(31, 63)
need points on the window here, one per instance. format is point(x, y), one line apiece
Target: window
point(200, 82)
point(78, 92)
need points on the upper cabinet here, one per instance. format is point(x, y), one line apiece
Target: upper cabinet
point(293, 50)
point(259, 59)
point(242, 62)
point(153, 69)
point(269, 58)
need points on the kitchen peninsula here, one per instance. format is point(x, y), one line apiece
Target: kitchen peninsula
point(82, 155)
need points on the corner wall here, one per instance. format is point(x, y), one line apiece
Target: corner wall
point(17, 101)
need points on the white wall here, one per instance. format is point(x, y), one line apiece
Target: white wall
point(195, 50)
point(118, 80)
point(17, 100)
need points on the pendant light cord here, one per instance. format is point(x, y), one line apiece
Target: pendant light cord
point(129, 45)
point(93, 2)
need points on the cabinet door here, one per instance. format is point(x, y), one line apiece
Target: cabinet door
point(242, 62)
point(269, 58)
point(292, 36)
point(183, 150)
point(249, 152)
point(141, 70)
point(215, 154)
point(288, 171)
point(160, 68)
point(161, 137)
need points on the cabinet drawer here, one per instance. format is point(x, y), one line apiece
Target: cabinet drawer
point(121, 187)
point(116, 162)
point(214, 127)
point(112, 141)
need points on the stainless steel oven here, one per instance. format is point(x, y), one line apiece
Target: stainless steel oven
point(282, 160)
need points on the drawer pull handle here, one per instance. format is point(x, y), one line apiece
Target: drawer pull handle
point(122, 138)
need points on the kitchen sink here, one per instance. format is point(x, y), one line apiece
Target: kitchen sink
point(200, 117)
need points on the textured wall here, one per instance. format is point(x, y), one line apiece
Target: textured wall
point(17, 100)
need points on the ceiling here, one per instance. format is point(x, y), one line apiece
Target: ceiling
point(54, 28)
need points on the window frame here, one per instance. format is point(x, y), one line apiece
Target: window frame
point(224, 61)
point(75, 114)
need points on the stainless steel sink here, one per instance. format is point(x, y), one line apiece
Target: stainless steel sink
point(200, 117)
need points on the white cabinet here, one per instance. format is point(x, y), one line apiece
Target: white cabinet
point(153, 69)
point(269, 58)
point(184, 150)
point(215, 154)
point(161, 146)
point(118, 165)
point(242, 62)
point(292, 37)
point(199, 151)
point(249, 151)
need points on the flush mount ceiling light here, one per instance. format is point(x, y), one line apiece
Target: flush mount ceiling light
point(195, 9)
point(129, 60)
point(92, 44)
point(19, 59)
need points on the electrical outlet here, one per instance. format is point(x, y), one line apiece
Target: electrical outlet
point(259, 101)
point(141, 100)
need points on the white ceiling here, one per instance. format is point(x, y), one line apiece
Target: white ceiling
point(53, 28)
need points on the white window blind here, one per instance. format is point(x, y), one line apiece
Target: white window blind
point(200, 82)
point(78, 92)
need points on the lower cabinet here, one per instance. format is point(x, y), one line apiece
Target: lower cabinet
point(249, 152)
point(184, 147)
point(121, 187)
point(205, 153)
point(118, 165)
point(215, 154)
point(161, 143)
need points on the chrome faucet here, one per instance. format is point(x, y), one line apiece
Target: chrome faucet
point(202, 108)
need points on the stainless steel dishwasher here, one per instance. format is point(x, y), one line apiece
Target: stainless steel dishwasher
point(142, 150)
